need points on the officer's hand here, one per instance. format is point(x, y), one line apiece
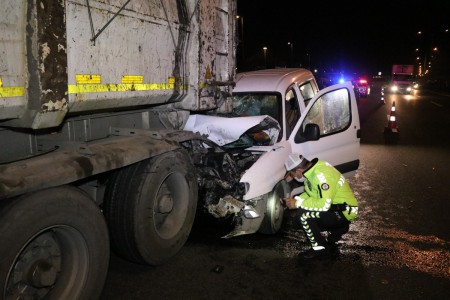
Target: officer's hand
point(290, 203)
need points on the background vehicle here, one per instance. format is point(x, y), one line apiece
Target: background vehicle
point(329, 78)
point(402, 80)
point(362, 87)
point(93, 98)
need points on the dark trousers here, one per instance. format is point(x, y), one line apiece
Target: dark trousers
point(313, 223)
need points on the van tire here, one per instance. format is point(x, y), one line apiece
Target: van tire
point(274, 214)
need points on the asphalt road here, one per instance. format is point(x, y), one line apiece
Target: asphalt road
point(398, 248)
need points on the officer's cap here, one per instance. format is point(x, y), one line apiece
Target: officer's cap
point(295, 160)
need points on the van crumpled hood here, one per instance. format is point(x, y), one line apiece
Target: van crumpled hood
point(222, 130)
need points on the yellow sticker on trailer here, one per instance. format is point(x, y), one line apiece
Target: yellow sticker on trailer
point(88, 78)
point(133, 79)
point(12, 91)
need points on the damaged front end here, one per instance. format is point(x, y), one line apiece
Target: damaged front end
point(220, 168)
point(218, 175)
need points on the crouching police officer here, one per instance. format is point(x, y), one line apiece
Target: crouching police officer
point(327, 204)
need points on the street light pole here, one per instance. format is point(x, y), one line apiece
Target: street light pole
point(425, 52)
point(265, 56)
point(292, 53)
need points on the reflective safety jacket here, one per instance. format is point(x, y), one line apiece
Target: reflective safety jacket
point(326, 189)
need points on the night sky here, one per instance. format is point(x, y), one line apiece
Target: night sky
point(362, 37)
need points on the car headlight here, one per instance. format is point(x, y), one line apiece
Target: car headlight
point(408, 89)
point(394, 88)
point(416, 85)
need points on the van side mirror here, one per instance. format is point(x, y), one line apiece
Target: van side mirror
point(311, 133)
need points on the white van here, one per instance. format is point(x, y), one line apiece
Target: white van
point(277, 112)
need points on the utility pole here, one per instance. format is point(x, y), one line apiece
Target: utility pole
point(265, 56)
point(292, 53)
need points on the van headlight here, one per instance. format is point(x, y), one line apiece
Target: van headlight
point(244, 187)
point(394, 88)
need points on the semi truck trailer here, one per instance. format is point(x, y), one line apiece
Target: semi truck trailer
point(94, 95)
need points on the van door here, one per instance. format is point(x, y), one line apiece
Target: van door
point(329, 129)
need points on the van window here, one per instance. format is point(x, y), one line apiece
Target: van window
point(256, 104)
point(308, 90)
point(292, 111)
point(332, 112)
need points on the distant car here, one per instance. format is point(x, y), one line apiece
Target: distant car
point(362, 87)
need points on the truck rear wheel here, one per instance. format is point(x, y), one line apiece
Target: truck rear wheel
point(54, 246)
point(150, 207)
point(274, 215)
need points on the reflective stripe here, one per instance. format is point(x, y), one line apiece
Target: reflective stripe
point(326, 206)
point(122, 87)
point(351, 209)
point(306, 227)
point(321, 178)
point(19, 91)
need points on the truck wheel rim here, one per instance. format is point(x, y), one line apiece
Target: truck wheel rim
point(172, 205)
point(53, 261)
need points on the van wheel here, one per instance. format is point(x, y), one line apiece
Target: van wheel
point(54, 246)
point(274, 215)
point(150, 207)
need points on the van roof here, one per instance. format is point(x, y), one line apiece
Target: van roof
point(271, 79)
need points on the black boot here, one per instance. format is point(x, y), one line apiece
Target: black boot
point(333, 249)
point(335, 235)
point(312, 254)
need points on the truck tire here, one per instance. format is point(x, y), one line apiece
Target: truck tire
point(54, 246)
point(150, 207)
point(274, 215)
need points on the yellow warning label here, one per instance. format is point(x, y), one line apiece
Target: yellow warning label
point(137, 79)
point(1, 83)
point(88, 78)
point(171, 80)
point(12, 91)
